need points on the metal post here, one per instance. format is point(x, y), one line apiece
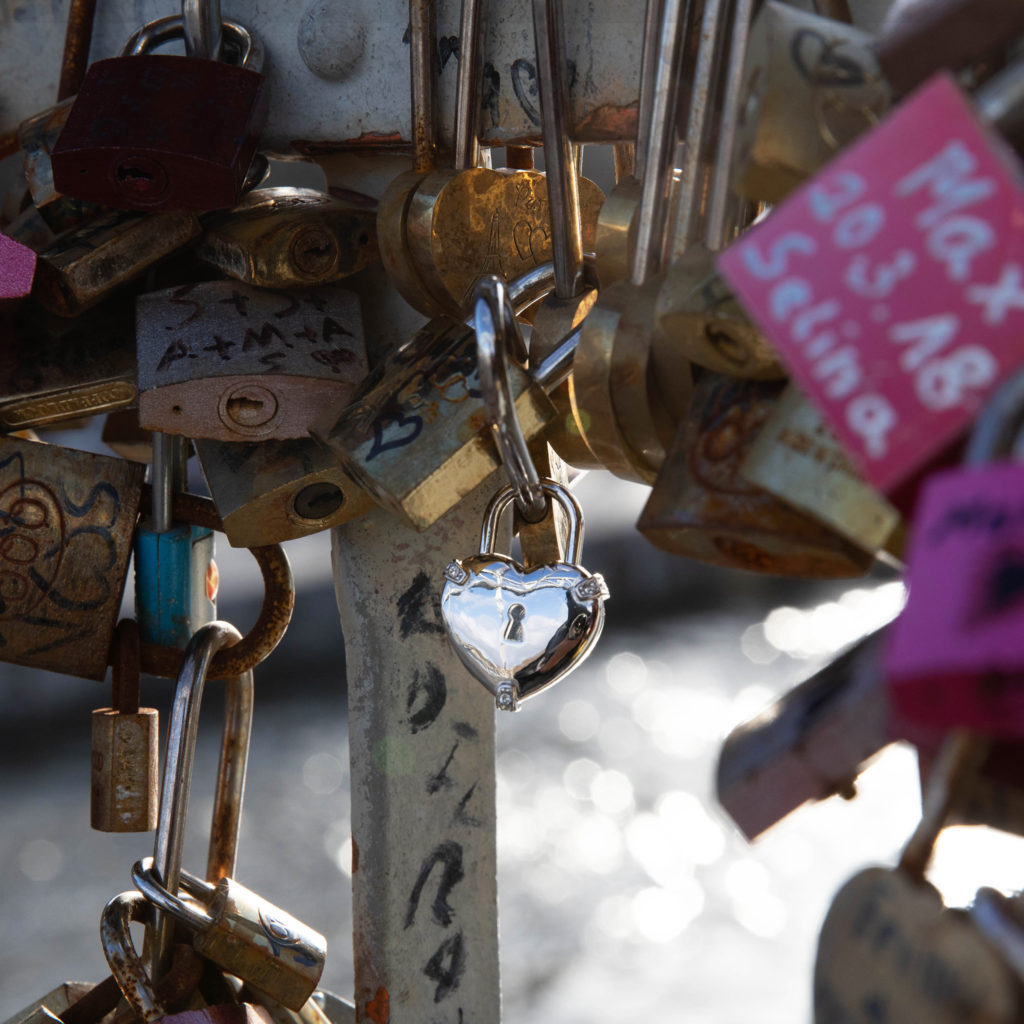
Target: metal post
point(424, 892)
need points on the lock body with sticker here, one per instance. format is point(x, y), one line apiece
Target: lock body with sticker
point(231, 362)
point(143, 134)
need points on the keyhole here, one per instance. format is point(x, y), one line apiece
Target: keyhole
point(514, 629)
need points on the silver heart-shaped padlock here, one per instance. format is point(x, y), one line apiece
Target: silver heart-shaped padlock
point(519, 629)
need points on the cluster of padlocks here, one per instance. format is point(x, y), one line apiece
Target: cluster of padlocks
point(803, 293)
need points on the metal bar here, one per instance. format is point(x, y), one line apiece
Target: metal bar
point(563, 185)
point(724, 205)
point(423, 83)
point(77, 37)
point(661, 143)
point(467, 88)
point(421, 733)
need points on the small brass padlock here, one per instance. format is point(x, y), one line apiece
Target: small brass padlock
point(125, 740)
point(243, 933)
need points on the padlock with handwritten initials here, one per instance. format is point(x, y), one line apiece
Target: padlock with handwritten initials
point(68, 518)
point(955, 657)
point(890, 284)
point(144, 133)
point(285, 237)
point(229, 362)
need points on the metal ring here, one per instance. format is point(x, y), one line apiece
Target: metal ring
point(497, 330)
point(157, 895)
point(274, 617)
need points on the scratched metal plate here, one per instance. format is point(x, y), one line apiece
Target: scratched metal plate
point(66, 521)
point(365, 101)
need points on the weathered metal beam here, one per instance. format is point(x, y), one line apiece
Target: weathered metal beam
point(338, 71)
point(423, 799)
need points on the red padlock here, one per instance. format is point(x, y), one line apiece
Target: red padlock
point(157, 132)
point(955, 657)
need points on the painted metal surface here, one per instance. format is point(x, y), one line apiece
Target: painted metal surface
point(339, 73)
point(422, 768)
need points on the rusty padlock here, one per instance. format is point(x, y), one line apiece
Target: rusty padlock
point(143, 133)
point(68, 518)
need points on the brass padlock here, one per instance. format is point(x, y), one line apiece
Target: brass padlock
point(68, 520)
point(701, 508)
point(54, 369)
point(125, 740)
point(242, 933)
point(573, 297)
point(415, 435)
point(272, 491)
point(697, 313)
point(616, 397)
point(37, 136)
point(287, 237)
point(86, 264)
point(812, 86)
point(796, 458)
point(230, 362)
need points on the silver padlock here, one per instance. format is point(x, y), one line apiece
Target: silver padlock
point(521, 628)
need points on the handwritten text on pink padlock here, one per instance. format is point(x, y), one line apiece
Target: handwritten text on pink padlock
point(954, 656)
point(893, 283)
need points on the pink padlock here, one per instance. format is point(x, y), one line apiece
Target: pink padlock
point(17, 271)
point(955, 656)
point(892, 284)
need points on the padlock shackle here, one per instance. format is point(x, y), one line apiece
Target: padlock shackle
point(192, 915)
point(178, 765)
point(501, 502)
point(147, 1000)
point(497, 331)
point(562, 181)
point(165, 30)
point(275, 614)
point(999, 424)
point(203, 28)
point(125, 963)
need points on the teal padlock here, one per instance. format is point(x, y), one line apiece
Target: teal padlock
point(176, 576)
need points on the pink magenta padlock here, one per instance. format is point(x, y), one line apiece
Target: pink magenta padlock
point(17, 271)
point(893, 283)
point(955, 656)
